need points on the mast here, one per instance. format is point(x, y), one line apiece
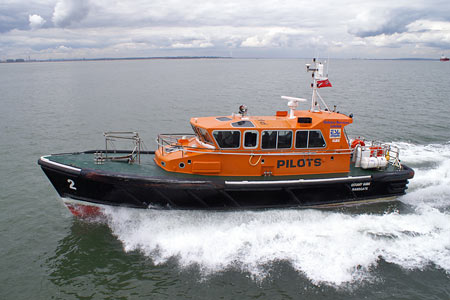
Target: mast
point(318, 77)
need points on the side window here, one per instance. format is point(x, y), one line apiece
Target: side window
point(301, 139)
point(284, 139)
point(269, 139)
point(227, 139)
point(316, 139)
point(250, 139)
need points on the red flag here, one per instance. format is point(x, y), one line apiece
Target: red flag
point(323, 83)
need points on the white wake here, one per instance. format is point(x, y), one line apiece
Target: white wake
point(327, 246)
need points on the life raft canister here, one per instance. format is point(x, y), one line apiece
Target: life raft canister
point(357, 142)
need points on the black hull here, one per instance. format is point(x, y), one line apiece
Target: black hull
point(93, 187)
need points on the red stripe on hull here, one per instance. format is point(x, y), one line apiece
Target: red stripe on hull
point(84, 211)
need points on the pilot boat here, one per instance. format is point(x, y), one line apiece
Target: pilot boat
point(293, 158)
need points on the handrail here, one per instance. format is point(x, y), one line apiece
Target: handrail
point(168, 140)
point(169, 143)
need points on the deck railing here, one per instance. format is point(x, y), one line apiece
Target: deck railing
point(169, 143)
point(110, 137)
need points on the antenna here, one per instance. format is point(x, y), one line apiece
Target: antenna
point(292, 104)
point(328, 63)
point(317, 74)
point(293, 99)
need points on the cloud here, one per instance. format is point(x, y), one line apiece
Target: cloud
point(12, 17)
point(287, 28)
point(67, 12)
point(14, 14)
point(420, 33)
point(370, 23)
point(277, 37)
point(36, 21)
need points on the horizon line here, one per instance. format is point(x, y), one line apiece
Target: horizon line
point(19, 60)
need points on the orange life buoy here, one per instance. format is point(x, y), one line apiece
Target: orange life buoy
point(358, 142)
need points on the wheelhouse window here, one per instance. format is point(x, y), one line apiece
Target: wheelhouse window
point(301, 139)
point(203, 135)
point(274, 139)
point(195, 129)
point(250, 139)
point(309, 139)
point(269, 139)
point(284, 139)
point(316, 139)
point(227, 138)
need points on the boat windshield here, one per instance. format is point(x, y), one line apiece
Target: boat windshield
point(202, 135)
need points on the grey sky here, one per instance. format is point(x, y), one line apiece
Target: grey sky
point(45, 29)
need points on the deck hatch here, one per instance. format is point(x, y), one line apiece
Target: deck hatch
point(223, 119)
point(245, 124)
point(304, 120)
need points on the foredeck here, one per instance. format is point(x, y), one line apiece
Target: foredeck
point(148, 168)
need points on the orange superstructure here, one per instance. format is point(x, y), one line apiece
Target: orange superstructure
point(238, 145)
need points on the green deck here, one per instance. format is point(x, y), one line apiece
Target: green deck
point(148, 168)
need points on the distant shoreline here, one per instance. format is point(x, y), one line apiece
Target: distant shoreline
point(20, 60)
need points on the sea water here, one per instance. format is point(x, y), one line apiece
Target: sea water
point(398, 249)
